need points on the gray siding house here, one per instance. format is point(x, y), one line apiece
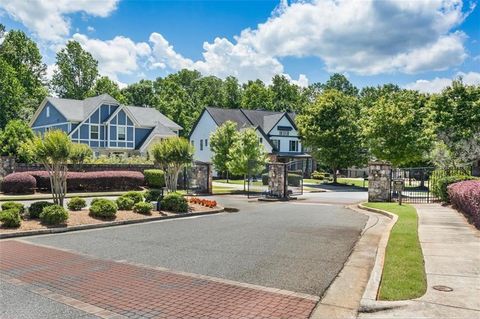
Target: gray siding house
point(101, 122)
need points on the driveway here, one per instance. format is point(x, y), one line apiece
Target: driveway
point(299, 246)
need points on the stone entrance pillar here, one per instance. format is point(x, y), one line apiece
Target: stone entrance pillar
point(277, 186)
point(379, 178)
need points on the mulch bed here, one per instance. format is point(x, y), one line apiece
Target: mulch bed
point(82, 218)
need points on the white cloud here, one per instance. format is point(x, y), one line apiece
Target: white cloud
point(90, 28)
point(438, 84)
point(117, 56)
point(47, 18)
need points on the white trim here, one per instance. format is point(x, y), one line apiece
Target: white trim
point(91, 113)
point(149, 139)
point(50, 125)
point(90, 139)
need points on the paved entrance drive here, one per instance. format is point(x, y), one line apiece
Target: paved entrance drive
point(298, 247)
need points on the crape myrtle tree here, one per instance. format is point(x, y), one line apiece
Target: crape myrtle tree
point(53, 151)
point(221, 141)
point(79, 153)
point(397, 127)
point(247, 155)
point(173, 154)
point(330, 127)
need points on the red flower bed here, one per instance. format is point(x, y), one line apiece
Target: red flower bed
point(466, 197)
point(93, 181)
point(203, 202)
point(19, 183)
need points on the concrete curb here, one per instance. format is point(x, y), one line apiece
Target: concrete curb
point(343, 296)
point(369, 302)
point(105, 224)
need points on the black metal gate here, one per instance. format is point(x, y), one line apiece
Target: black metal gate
point(257, 179)
point(419, 183)
point(294, 177)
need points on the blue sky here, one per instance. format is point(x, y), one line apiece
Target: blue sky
point(417, 44)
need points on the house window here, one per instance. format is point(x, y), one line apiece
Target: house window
point(121, 133)
point(284, 133)
point(201, 145)
point(48, 111)
point(293, 146)
point(276, 144)
point(94, 132)
point(206, 142)
point(261, 140)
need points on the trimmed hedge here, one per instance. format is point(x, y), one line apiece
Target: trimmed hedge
point(76, 204)
point(36, 208)
point(154, 178)
point(10, 218)
point(466, 197)
point(103, 208)
point(439, 186)
point(143, 208)
point(19, 183)
point(93, 181)
point(175, 202)
point(152, 195)
point(20, 208)
point(124, 203)
point(137, 197)
point(54, 215)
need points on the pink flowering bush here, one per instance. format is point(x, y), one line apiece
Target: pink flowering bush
point(466, 197)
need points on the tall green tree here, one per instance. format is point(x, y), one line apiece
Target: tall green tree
point(221, 141)
point(11, 93)
point(23, 55)
point(330, 127)
point(76, 72)
point(256, 96)
point(285, 95)
point(231, 93)
point(16, 133)
point(141, 93)
point(208, 92)
point(340, 83)
point(105, 85)
point(247, 155)
point(397, 128)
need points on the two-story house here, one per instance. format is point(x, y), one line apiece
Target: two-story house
point(276, 131)
point(101, 122)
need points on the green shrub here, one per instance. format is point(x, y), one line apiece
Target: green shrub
point(318, 175)
point(175, 202)
point(137, 197)
point(15, 206)
point(36, 208)
point(76, 203)
point(294, 180)
point(124, 203)
point(152, 195)
point(439, 185)
point(10, 218)
point(154, 178)
point(103, 208)
point(93, 201)
point(143, 208)
point(265, 179)
point(54, 215)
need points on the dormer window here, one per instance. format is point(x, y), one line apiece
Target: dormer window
point(48, 111)
point(284, 130)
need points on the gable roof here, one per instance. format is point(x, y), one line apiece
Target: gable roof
point(158, 130)
point(79, 110)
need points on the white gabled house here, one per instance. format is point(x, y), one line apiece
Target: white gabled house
point(276, 131)
point(104, 124)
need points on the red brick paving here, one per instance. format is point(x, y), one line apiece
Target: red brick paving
point(139, 292)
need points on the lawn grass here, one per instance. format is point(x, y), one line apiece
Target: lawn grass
point(238, 182)
point(403, 274)
point(359, 182)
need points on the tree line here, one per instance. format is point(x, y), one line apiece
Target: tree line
point(340, 124)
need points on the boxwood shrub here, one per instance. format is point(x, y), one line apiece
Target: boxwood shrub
point(103, 208)
point(137, 197)
point(154, 178)
point(76, 203)
point(19, 183)
point(36, 208)
point(152, 195)
point(54, 215)
point(143, 208)
point(124, 203)
point(10, 218)
point(20, 208)
point(175, 202)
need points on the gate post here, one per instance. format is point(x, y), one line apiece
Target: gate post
point(379, 181)
point(276, 180)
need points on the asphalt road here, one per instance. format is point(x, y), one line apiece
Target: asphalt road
point(298, 246)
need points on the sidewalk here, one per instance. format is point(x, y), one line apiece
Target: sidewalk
point(451, 249)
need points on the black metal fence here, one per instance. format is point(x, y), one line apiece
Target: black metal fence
point(420, 182)
point(295, 171)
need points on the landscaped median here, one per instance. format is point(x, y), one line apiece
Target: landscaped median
point(45, 217)
point(403, 275)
